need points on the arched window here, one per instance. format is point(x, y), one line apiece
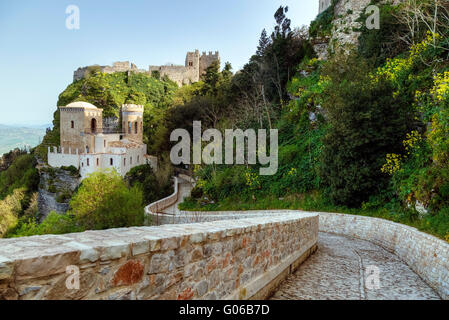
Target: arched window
point(124, 161)
point(93, 125)
point(87, 149)
point(129, 127)
point(111, 161)
point(98, 162)
point(135, 127)
point(87, 162)
point(72, 124)
point(138, 159)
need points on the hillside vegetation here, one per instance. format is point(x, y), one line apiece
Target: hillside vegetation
point(364, 132)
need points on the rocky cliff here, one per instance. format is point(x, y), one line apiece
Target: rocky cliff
point(56, 189)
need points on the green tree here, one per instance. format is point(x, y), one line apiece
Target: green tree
point(104, 201)
point(146, 180)
point(367, 121)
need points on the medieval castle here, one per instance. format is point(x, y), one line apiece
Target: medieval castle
point(195, 66)
point(89, 143)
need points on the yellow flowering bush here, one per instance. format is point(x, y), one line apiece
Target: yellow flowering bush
point(252, 180)
point(324, 81)
point(394, 67)
point(441, 87)
point(411, 141)
point(292, 172)
point(439, 137)
point(393, 163)
point(393, 160)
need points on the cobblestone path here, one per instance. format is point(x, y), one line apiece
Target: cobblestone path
point(340, 268)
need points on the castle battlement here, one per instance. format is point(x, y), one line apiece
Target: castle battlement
point(195, 66)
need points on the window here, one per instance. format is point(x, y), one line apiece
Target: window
point(124, 162)
point(111, 161)
point(93, 125)
point(87, 162)
point(72, 124)
point(138, 159)
point(104, 142)
point(190, 63)
point(131, 160)
point(135, 127)
point(98, 162)
point(129, 127)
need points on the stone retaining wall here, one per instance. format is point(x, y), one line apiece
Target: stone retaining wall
point(239, 259)
point(157, 207)
point(427, 255)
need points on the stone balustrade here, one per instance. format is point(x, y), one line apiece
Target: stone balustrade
point(233, 259)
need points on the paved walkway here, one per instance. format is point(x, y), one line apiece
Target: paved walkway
point(338, 270)
point(185, 188)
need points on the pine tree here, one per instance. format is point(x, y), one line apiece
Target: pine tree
point(264, 42)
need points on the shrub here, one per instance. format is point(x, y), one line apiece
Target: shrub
point(104, 201)
point(153, 187)
point(10, 208)
point(322, 25)
point(54, 223)
point(72, 170)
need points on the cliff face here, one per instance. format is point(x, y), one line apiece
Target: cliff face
point(346, 13)
point(55, 190)
point(344, 25)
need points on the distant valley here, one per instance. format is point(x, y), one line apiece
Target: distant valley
point(12, 137)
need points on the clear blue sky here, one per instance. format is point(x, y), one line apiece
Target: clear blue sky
point(39, 54)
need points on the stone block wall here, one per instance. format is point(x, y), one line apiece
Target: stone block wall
point(427, 255)
point(238, 259)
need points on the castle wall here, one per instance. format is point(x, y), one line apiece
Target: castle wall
point(58, 159)
point(195, 67)
point(179, 74)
